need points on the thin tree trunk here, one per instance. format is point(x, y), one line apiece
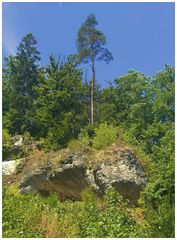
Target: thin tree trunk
point(92, 93)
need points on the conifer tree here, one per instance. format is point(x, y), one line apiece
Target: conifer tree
point(23, 79)
point(90, 44)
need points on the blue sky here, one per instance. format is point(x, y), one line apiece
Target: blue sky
point(139, 35)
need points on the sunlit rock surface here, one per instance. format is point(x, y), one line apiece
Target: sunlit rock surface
point(71, 176)
point(8, 167)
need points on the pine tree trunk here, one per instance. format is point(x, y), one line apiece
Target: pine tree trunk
point(92, 92)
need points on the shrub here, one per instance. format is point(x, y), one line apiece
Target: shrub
point(118, 219)
point(106, 135)
point(6, 151)
point(32, 216)
point(6, 137)
point(21, 214)
point(27, 137)
point(6, 143)
point(108, 217)
point(82, 143)
point(48, 143)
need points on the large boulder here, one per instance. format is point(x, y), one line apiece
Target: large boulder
point(125, 174)
point(70, 176)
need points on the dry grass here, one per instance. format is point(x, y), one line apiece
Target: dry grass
point(41, 159)
point(37, 159)
point(67, 228)
point(110, 154)
point(49, 224)
point(56, 226)
point(138, 215)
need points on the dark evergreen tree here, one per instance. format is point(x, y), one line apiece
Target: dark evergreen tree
point(61, 108)
point(7, 88)
point(23, 77)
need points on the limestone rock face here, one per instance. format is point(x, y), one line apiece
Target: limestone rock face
point(12, 167)
point(8, 167)
point(126, 175)
point(67, 180)
point(17, 141)
point(72, 175)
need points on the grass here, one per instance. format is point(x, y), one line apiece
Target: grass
point(37, 217)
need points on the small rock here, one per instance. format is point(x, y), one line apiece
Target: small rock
point(8, 167)
point(17, 140)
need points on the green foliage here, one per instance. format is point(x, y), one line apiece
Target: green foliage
point(105, 135)
point(9, 151)
point(6, 137)
point(90, 42)
point(159, 211)
point(60, 109)
point(90, 45)
point(16, 221)
point(6, 84)
point(106, 218)
point(6, 144)
point(27, 137)
point(34, 216)
point(99, 137)
point(50, 104)
point(107, 105)
point(20, 78)
point(164, 92)
point(82, 142)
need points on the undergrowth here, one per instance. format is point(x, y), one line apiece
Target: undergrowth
point(32, 216)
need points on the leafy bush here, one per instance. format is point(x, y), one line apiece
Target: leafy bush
point(27, 137)
point(99, 137)
point(82, 143)
point(34, 216)
point(49, 142)
point(108, 217)
point(6, 137)
point(6, 151)
point(106, 135)
point(6, 144)
point(18, 213)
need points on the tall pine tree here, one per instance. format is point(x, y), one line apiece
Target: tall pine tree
point(90, 45)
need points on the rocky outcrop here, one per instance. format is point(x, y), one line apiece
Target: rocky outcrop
point(126, 175)
point(13, 166)
point(67, 180)
point(17, 141)
point(8, 167)
point(71, 176)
